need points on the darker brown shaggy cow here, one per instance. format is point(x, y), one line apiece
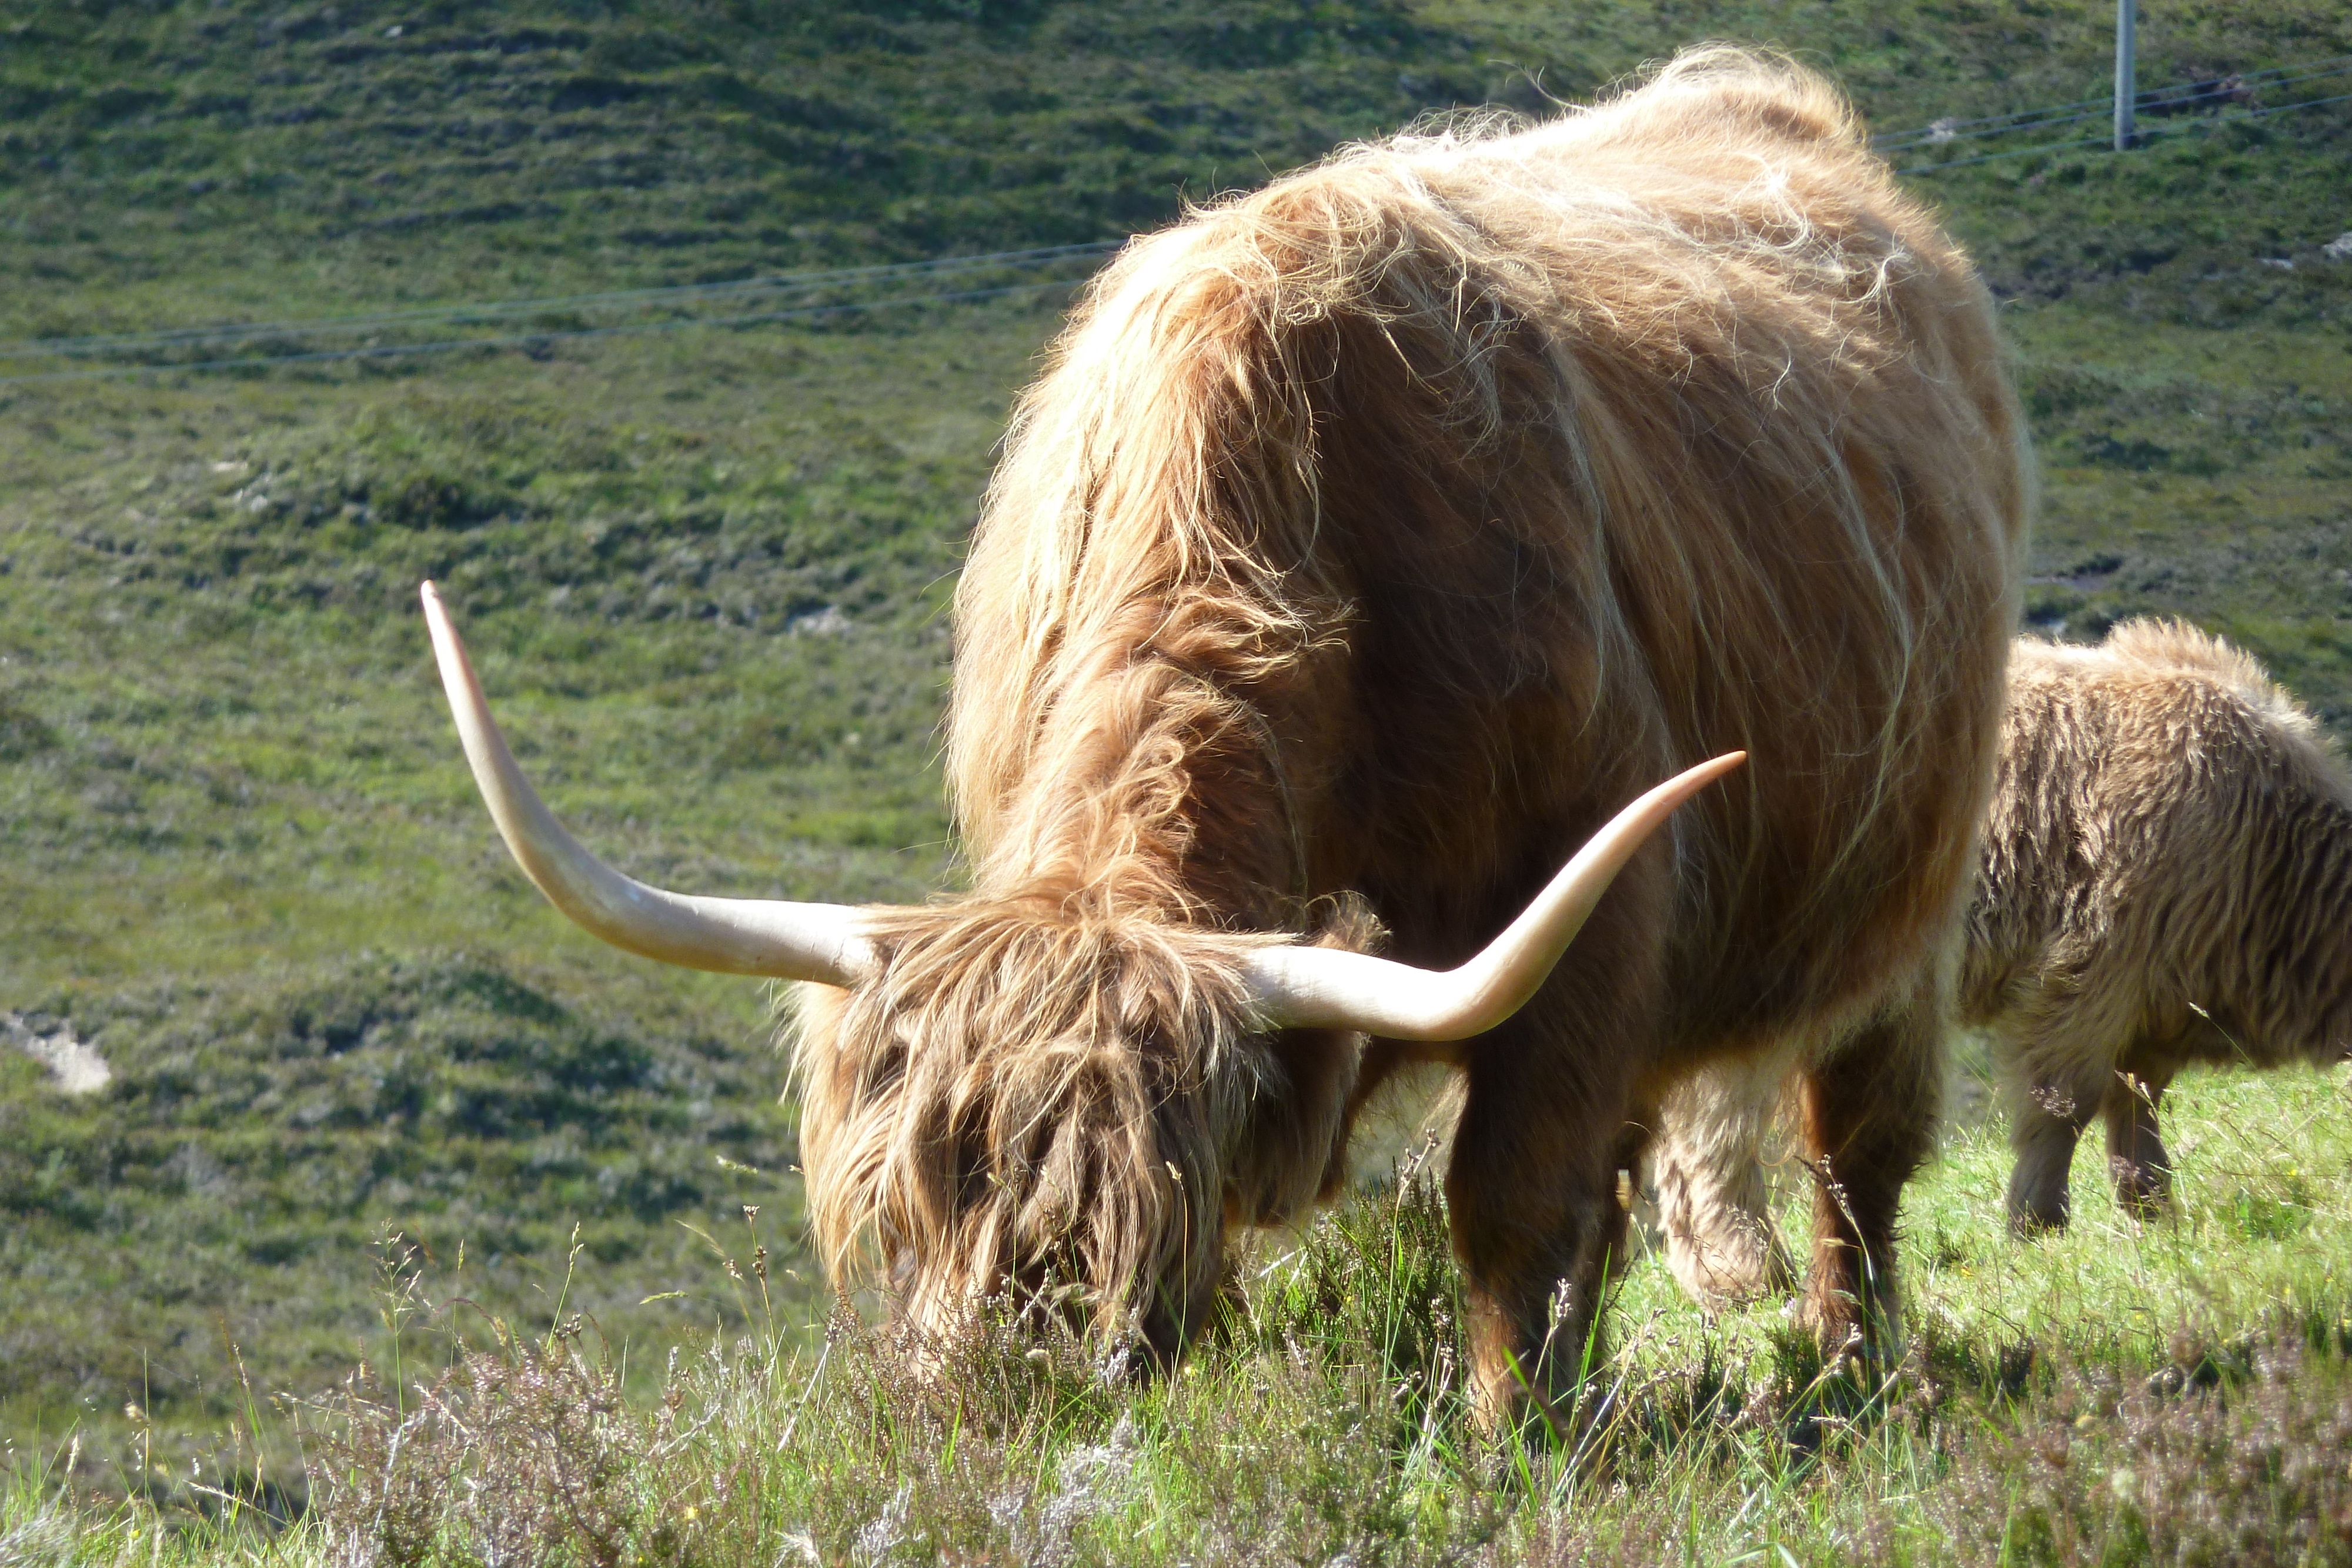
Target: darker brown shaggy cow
point(1368, 542)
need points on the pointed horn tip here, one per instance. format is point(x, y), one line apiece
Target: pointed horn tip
point(1691, 781)
point(1679, 790)
point(1676, 791)
point(449, 648)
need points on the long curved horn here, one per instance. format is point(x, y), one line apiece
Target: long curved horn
point(731, 936)
point(1326, 988)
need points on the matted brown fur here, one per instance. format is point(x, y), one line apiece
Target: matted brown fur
point(1381, 533)
point(2166, 880)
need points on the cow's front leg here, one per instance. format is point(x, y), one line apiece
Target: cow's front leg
point(1532, 1191)
point(2046, 1118)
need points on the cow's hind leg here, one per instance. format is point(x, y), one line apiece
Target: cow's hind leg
point(1714, 1203)
point(2136, 1160)
point(1869, 1123)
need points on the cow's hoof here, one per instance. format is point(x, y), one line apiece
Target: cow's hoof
point(2143, 1192)
point(2031, 1219)
point(1855, 1338)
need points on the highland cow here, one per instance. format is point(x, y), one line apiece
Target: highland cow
point(2166, 876)
point(1369, 540)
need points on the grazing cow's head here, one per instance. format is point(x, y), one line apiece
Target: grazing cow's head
point(1054, 1097)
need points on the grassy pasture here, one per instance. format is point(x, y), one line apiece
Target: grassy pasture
point(2168, 1393)
point(704, 573)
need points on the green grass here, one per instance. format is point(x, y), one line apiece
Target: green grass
point(2122, 1394)
point(704, 572)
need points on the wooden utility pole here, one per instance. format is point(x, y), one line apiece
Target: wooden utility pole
point(2126, 78)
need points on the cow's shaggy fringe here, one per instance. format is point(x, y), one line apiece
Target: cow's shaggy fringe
point(1049, 1097)
point(2167, 878)
point(1384, 531)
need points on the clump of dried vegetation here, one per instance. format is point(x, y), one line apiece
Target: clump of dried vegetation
point(513, 1455)
point(2239, 1454)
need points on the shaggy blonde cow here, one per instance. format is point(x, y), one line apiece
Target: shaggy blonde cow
point(2167, 871)
point(2166, 877)
point(1368, 542)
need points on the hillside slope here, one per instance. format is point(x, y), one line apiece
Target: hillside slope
point(198, 159)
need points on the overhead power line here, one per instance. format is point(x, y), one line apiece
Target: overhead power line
point(2144, 135)
point(1991, 125)
point(2049, 115)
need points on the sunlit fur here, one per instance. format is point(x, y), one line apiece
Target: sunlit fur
point(2167, 878)
point(1380, 533)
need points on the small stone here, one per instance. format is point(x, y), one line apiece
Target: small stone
point(77, 1068)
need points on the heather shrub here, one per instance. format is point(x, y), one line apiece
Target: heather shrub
point(2236, 1455)
point(521, 1454)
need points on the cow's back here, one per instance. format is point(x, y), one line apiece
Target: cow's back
point(1490, 479)
point(2165, 854)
